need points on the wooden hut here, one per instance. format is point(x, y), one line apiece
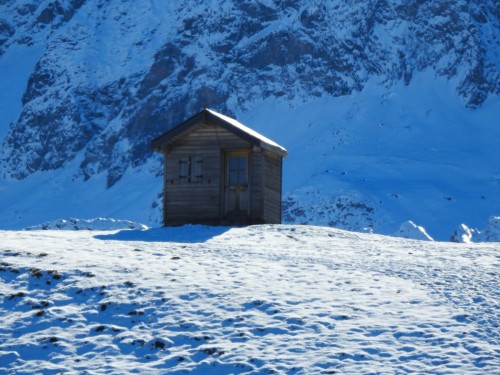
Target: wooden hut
point(217, 171)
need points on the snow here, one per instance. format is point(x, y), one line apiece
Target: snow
point(89, 224)
point(492, 231)
point(272, 298)
point(411, 230)
point(464, 234)
point(64, 196)
point(15, 67)
point(406, 152)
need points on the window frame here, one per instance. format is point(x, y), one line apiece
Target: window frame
point(230, 171)
point(191, 169)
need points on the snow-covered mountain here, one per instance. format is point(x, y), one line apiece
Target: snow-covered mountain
point(389, 109)
point(283, 299)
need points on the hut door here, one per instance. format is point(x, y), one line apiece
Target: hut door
point(236, 186)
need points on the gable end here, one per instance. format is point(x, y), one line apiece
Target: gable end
point(208, 116)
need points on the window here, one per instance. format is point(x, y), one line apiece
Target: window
point(190, 169)
point(237, 170)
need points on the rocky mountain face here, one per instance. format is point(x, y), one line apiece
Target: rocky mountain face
point(112, 74)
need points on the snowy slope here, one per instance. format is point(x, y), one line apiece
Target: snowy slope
point(280, 299)
point(373, 161)
point(389, 108)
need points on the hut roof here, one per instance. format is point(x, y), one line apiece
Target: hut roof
point(208, 116)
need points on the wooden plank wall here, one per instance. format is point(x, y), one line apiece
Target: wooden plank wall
point(272, 175)
point(257, 185)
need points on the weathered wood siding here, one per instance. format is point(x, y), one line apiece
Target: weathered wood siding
point(202, 201)
point(256, 186)
point(271, 175)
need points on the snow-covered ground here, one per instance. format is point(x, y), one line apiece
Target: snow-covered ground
point(262, 299)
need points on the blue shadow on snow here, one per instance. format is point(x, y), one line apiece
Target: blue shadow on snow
point(183, 234)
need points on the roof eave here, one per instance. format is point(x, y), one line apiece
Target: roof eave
point(244, 135)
